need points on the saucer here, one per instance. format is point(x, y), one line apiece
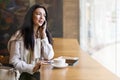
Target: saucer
point(60, 66)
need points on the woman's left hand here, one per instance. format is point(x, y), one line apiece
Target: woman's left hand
point(37, 66)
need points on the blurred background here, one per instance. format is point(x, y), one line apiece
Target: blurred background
point(94, 23)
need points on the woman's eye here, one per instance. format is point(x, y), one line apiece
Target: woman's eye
point(38, 14)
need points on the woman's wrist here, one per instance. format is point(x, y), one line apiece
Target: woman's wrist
point(43, 35)
point(37, 67)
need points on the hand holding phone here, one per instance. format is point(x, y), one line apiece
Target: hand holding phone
point(43, 26)
point(43, 23)
point(42, 29)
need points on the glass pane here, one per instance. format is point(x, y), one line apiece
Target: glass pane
point(100, 31)
point(118, 37)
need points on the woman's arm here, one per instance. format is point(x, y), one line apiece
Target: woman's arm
point(15, 58)
point(47, 49)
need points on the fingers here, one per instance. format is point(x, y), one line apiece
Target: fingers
point(44, 24)
point(37, 66)
point(43, 27)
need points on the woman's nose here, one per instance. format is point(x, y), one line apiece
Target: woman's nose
point(41, 16)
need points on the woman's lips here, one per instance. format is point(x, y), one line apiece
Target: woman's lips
point(41, 21)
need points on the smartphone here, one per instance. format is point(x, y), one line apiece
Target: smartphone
point(43, 24)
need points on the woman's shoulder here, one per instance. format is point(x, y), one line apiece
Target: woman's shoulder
point(16, 36)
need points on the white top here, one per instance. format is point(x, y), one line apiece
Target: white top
point(21, 58)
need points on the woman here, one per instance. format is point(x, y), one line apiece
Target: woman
point(32, 43)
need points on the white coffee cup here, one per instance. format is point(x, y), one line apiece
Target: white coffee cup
point(59, 61)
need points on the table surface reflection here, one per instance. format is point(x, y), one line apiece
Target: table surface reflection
point(85, 69)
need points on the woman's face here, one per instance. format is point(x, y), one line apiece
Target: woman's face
point(39, 16)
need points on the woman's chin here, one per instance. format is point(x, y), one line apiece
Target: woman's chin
point(39, 24)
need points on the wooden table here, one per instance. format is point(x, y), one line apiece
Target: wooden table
point(86, 68)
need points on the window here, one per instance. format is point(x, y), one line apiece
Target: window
point(100, 30)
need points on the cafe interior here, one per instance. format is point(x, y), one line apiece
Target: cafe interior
point(85, 33)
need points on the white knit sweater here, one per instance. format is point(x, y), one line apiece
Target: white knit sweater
point(21, 58)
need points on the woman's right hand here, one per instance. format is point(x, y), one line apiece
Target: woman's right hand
point(37, 66)
point(42, 30)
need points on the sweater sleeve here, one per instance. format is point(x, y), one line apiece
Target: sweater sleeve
point(47, 49)
point(15, 58)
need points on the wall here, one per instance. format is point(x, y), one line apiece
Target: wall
point(71, 19)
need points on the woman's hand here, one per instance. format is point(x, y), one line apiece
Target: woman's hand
point(37, 66)
point(42, 30)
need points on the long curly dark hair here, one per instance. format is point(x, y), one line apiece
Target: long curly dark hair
point(27, 28)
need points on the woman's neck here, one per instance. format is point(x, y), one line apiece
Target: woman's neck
point(35, 28)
